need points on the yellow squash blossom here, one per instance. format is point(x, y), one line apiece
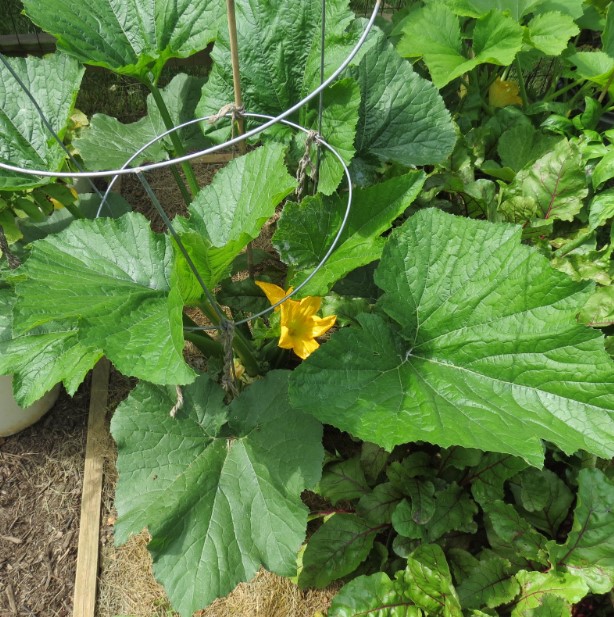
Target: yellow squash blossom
point(299, 324)
point(503, 92)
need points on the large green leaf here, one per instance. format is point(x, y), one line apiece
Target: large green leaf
point(25, 141)
point(477, 8)
point(109, 280)
point(434, 33)
point(402, 116)
point(375, 596)
point(589, 549)
point(108, 143)
point(219, 500)
point(132, 38)
point(42, 357)
point(550, 32)
point(339, 120)
point(280, 53)
point(228, 213)
point(305, 230)
point(474, 343)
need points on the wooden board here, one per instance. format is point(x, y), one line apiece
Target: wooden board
point(84, 599)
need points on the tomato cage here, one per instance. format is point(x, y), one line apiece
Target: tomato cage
point(233, 112)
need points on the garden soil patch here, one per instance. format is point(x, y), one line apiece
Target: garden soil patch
point(41, 472)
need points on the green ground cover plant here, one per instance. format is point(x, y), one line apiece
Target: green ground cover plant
point(431, 417)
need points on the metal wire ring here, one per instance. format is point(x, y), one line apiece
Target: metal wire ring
point(295, 126)
point(188, 157)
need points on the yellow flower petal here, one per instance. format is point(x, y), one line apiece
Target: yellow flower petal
point(323, 324)
point(274, 293)
point(503, 93)
point(310, 305)
point(299, 324)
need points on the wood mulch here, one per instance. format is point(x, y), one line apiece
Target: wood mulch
point(40, 499)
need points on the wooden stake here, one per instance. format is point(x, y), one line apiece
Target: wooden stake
point(84, 602)
point(236, 76)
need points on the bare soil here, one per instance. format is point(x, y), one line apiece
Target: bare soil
point(40, 499)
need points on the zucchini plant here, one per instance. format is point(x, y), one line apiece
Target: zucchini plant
point(427, 396)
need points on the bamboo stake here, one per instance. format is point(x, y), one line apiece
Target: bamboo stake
point(236, 76)
point(236, 83)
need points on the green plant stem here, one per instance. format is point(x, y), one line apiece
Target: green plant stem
point(572, 102)
point(204, 343)
point(181, 184)
point(521, 84)
point(563, 90)
point(203, 340)
point(606, 87)
point(177, 145)
point(240, 343)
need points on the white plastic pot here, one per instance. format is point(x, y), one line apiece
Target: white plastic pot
point(12, 417)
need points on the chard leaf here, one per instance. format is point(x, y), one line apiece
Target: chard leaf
point(373, 460)
point(602, 207)
point(305, 230)
point(556, 181)
point(108, 143)
point(474, 343)
point(344, 480)
point(130, 38)
point(108, 281)
point(219, 500)
point(24, 139)
point(434, 33)
point(400, 473)
point(489, 476)
point(228, 213)
point(551, 606)
point(491, 583)
point(522, 145)
point(535, 487)
point(430, 583)
point(589, 550)
point(515, 532)
point(537, 587)
point(427, 519)
point(402, 116)
point(336, 549)
point(377, 507)
point(376, 596)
